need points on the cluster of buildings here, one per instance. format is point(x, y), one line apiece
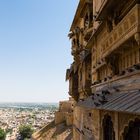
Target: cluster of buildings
point(11, 119)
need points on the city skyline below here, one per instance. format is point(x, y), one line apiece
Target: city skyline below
point(34, 50)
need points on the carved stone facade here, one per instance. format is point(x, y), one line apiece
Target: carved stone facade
point(104, 78)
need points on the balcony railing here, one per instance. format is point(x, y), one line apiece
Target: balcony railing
point(122, 83)
point(128, 26)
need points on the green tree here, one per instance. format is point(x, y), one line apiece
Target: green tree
point(2, 134)
point(25, 131)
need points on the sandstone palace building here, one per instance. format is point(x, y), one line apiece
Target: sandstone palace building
point(104, 78)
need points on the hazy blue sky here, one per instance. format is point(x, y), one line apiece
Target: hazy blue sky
point(34, 49)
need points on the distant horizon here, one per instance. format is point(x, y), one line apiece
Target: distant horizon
point(31, 102)
point(26, 105)
point(35, 49)
point(34, 101)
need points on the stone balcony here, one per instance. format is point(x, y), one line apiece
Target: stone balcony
point(129, 80)
point(127, 28)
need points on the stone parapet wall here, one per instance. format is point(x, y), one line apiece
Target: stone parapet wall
point(65, 113)
point(59, 117)
point(66, 106)
point(69, 119)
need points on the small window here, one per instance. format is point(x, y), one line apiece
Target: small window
point(89, 75)
point(135, 57)
point(131, 56)
point(139, 54)
point(89, 114)
point(80, 75)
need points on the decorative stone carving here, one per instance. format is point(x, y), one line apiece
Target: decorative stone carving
point(126, 28)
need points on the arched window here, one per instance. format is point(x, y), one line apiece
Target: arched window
point(108, 131)
point(132, 132)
